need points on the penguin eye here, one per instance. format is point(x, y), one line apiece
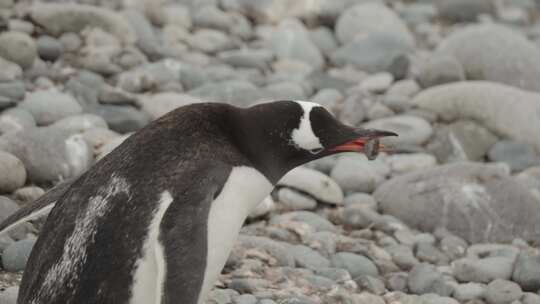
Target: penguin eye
point(316, 150)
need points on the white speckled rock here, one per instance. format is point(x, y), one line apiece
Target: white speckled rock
point(315, 183)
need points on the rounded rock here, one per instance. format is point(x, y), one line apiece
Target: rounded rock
point(12, 172)
point(49, 48)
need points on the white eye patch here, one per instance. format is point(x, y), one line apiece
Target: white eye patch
point(303, 136)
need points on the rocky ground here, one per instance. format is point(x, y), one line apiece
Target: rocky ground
point(452, 216)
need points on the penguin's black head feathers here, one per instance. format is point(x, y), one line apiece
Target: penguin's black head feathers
point(286, 134)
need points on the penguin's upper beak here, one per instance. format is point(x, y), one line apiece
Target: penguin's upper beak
point(366, 141)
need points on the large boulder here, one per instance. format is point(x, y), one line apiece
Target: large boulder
point(479, 202)
point(504, 110)
point(512, 58)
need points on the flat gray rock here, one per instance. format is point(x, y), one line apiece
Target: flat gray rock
point(516, 61)
point(469, 199)
point(14, 258)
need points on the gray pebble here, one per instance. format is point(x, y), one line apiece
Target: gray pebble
point(15, 256)
point(49, 48)
point(530, 298)
point(502, 292)
point(428, 253)
point(9, 71)
point(527, 272)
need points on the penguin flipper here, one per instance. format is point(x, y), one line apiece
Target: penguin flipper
point(38, 208)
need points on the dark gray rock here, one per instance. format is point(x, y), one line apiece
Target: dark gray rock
point(518, 156)
point(49, 48)
point(527, 272)
point(465, 198)
point(502, 292)
point(14, 258)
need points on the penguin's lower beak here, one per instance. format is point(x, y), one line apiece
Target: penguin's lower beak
point(366, 141)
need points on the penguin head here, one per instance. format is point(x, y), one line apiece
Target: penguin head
point(286, 134)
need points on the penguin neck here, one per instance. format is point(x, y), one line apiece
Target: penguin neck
point(259, 144)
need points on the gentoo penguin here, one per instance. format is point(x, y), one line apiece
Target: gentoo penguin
point(155, 220)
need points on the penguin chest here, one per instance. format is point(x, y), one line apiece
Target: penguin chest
point(244, 189)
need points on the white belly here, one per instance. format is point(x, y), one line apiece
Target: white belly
point(244, 190)
point(151, 268)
